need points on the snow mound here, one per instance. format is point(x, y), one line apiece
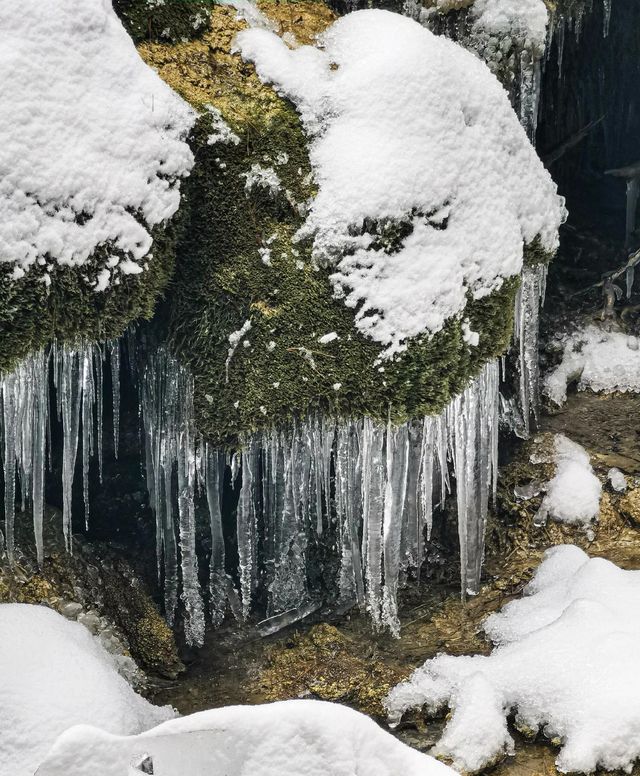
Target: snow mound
point(55, 674)
point(428, 187)
point(91, 140)
point(573, 495)
point(288, 738)
point(599, 360)
point(565, 661)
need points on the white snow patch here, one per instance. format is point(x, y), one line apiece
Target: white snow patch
point(250, 13)
point(262, 178)
point(438, 145)
point(281, 739)
point(573, 495)
point(327, 338)
point(565, 661)
point(89, 136)
point(234, 341)
point(221, 132)
point(524, 20)
point(55, 674)
point(599, 360)
point(472, 338)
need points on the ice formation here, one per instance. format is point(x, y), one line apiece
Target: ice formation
point(598, 360)
point(374, 485)
point(77, 373)
point(564, 663)
point(529, 300)
point(166, 400)
point(573, 495)
point(55, 674)
point(90, 136)
point(280, 739)
point(439, 149)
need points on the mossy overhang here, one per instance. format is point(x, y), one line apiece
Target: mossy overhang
point(238, 261)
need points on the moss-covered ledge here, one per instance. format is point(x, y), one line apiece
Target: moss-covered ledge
point(67, 308)
point(239, 268)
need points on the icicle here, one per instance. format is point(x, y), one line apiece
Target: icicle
point(607, 18)
point(246, 530)
point(473, 420)
point(9, 411)
point(630, 277)
point(186, 454)
point(527, 317)
point(114, 356)
point(373, 473)
point(394, 500)
point(70, 390)
point(214, 473)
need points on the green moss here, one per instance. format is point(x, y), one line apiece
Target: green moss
point(171, 20)
point(32, 314)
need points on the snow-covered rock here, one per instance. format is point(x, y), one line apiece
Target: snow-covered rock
point(92, 141)
point(598, 360)
point(565, 661)
point(523, 20)
point(428, 186)
point(282, 739)
point(55, 674)
point(573, 495)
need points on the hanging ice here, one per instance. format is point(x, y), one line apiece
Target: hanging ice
point(170, 454)
point(77, 377)
point(529, 300)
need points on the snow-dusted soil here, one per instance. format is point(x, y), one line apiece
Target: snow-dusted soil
point(565, 661)
point(55, 674)
point(290, 738)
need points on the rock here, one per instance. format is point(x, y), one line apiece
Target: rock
point(630, 506)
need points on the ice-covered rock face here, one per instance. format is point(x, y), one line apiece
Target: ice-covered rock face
point(428, 187)
point(91, 142)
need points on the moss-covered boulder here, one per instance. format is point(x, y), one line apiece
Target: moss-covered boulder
point(251, 313)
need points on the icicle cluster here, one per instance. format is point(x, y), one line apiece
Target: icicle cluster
point(77, 374)
point(365, 488)
point(173, 463)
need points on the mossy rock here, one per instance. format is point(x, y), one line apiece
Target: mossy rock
point(238, 261)
point(170, 20)
point(326, 664)
point(32, 314)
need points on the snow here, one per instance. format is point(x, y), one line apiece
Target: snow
point(525, 20)
point(599, 360)
point(260, 177)
point(300, 737)
point(573, 495)
point(55, 674)
point(92, 141)
point(565, 661)
point(409, 127)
